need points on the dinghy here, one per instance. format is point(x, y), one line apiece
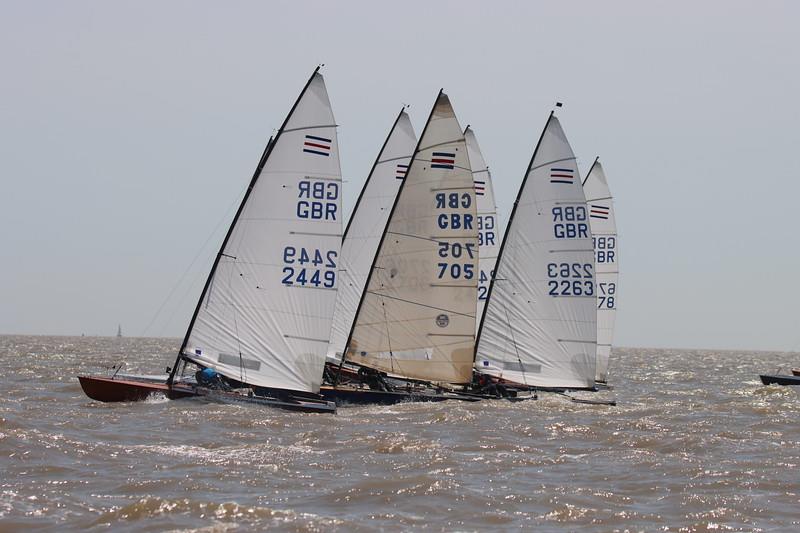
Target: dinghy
point(599, 202)
point(259, 333)
point(539, 324)
point(780, 379)
point(416, 316)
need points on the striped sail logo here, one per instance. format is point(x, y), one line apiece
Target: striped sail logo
point(599, 211)
point(443, 160)
point(317, 145)
point(401, 171)
point(562, 175)
point(480, 187)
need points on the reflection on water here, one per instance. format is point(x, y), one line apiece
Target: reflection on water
point(696, 443)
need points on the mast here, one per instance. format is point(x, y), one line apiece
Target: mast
point(264, 156)
point(383, 237)
point(507, 232)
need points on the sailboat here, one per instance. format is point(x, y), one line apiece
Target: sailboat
point(416, 316)
point(603, 224)
point(539, 325)
point(119, 330)
point(259, 332)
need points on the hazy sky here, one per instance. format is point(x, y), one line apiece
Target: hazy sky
point(129, 130)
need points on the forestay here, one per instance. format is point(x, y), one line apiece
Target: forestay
point(539, 325)
point(488, 224)
point(417, 315)
point(604, 236)
point(264, 317)
point(366, 225)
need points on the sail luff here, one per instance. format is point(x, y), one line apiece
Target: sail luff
point(366, 226)
point(417, 314)
point(602, 219)
point(508, 226)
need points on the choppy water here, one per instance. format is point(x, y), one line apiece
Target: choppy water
point(696, 443)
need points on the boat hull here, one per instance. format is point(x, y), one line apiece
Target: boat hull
point(105, 389)
point(778, 379)
point(349, 395)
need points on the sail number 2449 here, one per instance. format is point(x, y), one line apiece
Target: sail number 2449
point(309, 267)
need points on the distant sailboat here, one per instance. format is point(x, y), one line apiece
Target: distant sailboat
point(606, 258)
point(263, 319)
point(415, 318)
point(539, 325)
point(119, 330)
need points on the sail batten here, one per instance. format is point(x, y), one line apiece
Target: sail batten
point(421, 292)
point(539, 324)
point(604, 231)
point(249, 324)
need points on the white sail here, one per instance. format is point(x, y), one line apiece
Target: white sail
point(265, 315)
point(539, 325)
point(488, 223)
point(365, 228)
point(606, 257)
point(417, 315)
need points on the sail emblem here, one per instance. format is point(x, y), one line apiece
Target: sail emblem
point(443, 160)
point(562, 175)
point(599, 211)
point(317, 145)
point(442, 320)
point(480, 187)
point(401, 171)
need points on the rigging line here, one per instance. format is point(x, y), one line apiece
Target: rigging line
point(185, 272)
point(242, 376)
point(421, 305)
point(516, 349)
point(388, 336)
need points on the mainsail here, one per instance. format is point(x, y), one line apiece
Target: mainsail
point(539, 324)
point(488, 226)
point(265, 313)
point(416, 317)
point(365, 227)
point(606, 256)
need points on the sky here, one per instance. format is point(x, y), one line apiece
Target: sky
point(129, 131)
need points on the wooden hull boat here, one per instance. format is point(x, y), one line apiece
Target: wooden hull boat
point(133, 389)
point(106, 389)
point(779, 379)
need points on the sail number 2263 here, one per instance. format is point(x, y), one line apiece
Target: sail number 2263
point(570, 279)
